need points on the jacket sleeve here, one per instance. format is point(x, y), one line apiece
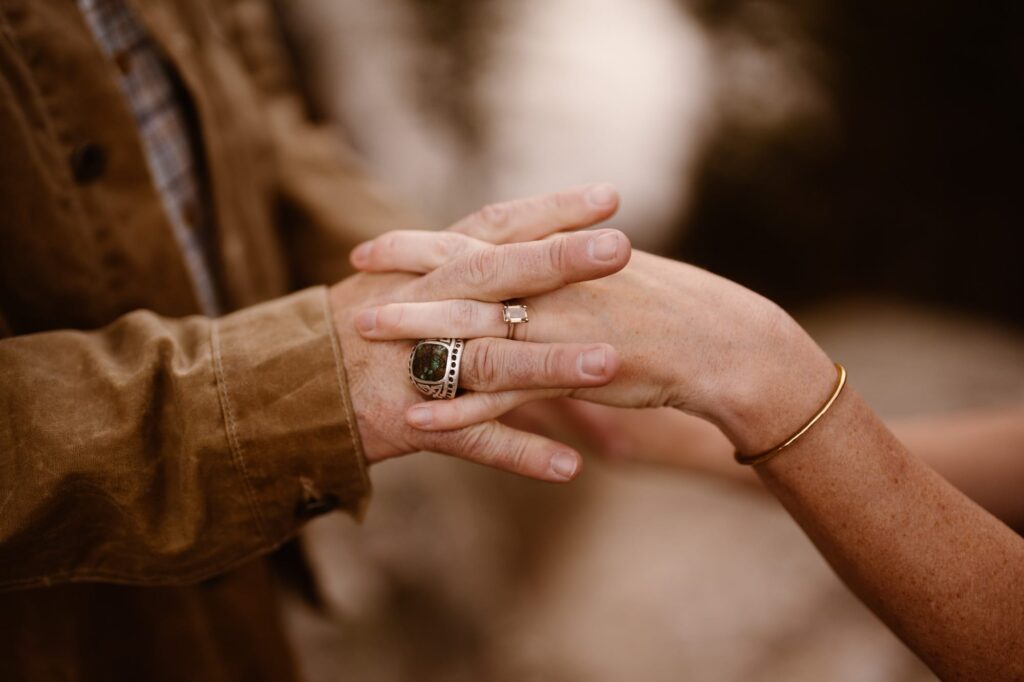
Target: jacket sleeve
point(328, 201)
point(158, 451)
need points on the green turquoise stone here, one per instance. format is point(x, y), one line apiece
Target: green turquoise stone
point(430, 362)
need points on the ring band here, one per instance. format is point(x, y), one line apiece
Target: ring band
point(434, 367)
point(513, 314)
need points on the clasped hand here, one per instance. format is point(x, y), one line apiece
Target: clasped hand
point(656, 333)
point(468, 277)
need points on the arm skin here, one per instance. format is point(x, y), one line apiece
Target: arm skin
point(945, 575)
point(981, 453)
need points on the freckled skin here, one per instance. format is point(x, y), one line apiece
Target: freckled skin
point(945, 575)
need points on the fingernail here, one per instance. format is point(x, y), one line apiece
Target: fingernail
point(421, 416)
point(601, 196)
point(361, 254)
point(604, 247)
point(366, 321)
point(592, 362)
point(563, 465)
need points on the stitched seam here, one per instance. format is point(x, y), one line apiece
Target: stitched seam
point(234, 443)
point(339, 372)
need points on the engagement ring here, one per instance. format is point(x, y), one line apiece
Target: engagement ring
point(514, 314)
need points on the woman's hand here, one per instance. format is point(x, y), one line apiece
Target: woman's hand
point(944, 574)
point(686, 339)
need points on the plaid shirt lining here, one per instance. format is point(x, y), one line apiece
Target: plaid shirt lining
point(164, 132)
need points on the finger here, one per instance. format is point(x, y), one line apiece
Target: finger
point(411, 251)
point(500, 365)
point(513, 221)
point(472, 408)
point(536, 217)
point(495, 445)
point(527, 269)
point(460, 319)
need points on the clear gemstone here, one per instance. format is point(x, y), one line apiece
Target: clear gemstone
point(516, 314)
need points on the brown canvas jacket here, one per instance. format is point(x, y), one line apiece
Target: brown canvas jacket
point(148, 455)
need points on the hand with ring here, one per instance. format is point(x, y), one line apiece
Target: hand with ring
point(685, 337)
point(907, 542)
point(473, 280)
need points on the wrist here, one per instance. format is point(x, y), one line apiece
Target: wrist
point(344, 299)
point(774, 391)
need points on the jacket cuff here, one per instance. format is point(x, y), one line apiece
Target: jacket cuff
point(284, 396)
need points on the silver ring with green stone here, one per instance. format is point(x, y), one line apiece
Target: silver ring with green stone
point(434, 367)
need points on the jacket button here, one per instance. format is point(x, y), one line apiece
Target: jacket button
point(318, 505)
point(88, 161)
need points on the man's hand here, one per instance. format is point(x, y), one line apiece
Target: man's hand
point(486, 275)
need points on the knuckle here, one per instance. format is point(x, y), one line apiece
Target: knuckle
point(482, 265)
point(494, 216)
point(389, 242)
point(553, 362)
point(558, 256)
point(442, 247)
point(478, 440)
point(488, 362)
point(461, 315)
point(447, 245)
point(485, 443)
point(385, 247)
point(560, 202)
point(513, 455)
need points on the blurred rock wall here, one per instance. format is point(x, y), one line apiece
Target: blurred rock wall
point(457, 103)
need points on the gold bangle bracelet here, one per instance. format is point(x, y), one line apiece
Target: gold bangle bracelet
point(753, 460)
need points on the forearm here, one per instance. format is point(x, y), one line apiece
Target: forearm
point(942, 572)
point(945, 575)
point(981, 453)
point(164, 451)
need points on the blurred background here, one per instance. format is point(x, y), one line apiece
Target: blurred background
point(855, 161)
